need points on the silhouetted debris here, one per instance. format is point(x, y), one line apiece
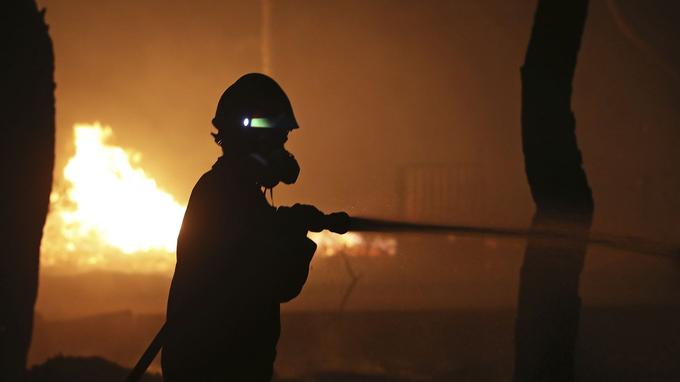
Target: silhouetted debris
point(82, 369)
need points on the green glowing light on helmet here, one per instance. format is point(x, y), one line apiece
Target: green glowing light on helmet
point(263, 123)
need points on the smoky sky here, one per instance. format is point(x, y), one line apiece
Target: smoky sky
point(378, 86)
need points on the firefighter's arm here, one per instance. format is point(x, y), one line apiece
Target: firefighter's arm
point(293, 266)
point(295, 250)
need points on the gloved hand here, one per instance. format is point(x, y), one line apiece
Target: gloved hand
point(305, 217)
point(300, 217)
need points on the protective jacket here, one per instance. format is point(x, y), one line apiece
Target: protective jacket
point(237, 260)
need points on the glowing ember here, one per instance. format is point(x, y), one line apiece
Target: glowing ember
point(112, 215)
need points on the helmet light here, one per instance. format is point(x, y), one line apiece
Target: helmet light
point(263, 123)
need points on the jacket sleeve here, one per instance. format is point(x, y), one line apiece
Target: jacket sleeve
point(264, 256)
point(294, 255)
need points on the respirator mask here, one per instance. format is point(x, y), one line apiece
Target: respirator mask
point(278, 166)
point(268, 161)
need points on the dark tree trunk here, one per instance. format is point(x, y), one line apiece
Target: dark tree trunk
point(549, 304)
point(27, 149)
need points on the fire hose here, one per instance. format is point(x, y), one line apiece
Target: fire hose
point(341, 223)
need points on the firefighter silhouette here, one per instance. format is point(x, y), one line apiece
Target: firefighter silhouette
point(238, 257)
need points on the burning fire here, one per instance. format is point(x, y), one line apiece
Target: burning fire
point(119, 202)
point(112, 215)
point(111, 210)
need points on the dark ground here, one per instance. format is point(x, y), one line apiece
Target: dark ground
point(82, 369)
point(637, 343)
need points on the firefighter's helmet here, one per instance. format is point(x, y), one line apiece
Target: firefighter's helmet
point(254, 104)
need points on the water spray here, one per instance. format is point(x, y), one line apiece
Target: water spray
point(340, 223)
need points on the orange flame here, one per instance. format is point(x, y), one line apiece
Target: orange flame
point(111, 208)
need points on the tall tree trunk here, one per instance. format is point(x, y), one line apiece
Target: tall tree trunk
point(549, 304)
point(27, 149)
